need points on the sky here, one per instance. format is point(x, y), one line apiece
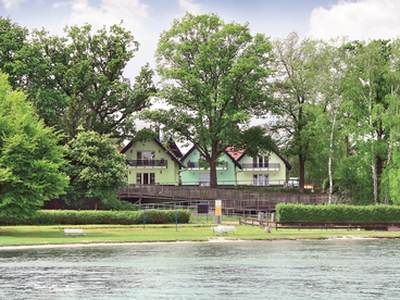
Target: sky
point(146, 19)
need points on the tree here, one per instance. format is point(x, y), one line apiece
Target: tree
point(215, 76)
point(96, 169)
point(297, 85)
point(30, 158)
point(77, 80)
point(89, 69)
point(368, 85)
point(12, 40)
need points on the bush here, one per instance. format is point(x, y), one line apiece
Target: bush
point(85, 217)
point(337, 213)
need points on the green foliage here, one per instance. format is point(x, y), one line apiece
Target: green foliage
point(72, 217)
point(115, 204)
point(77, 79)
point(337, 213)
point(30, 158)
point(95, 168)
point(353, 181)
point(297, 84)
point(12, 39)
point(216, 76)
point(88, 69)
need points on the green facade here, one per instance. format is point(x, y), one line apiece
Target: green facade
point(196, 175)
point(150, 163)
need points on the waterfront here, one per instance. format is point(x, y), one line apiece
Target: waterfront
point(329, 269)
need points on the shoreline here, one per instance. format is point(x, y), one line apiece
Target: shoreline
point(211, 240)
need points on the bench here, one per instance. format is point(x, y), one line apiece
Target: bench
point(223, 229)
point(73, 231)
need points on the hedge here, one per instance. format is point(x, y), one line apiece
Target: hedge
point(337, 213)
point(83, 217)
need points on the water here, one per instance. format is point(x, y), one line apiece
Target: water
point(338, 269)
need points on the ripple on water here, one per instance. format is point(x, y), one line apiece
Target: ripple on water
point(281, 269)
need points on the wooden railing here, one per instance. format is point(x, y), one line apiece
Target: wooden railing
point(231, 198)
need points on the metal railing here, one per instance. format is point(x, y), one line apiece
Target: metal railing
point(147, 163)
point(263, 166)
point(199, 165)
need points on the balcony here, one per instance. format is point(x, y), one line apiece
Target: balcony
point(148, 164)
point(260, 166)
point(191, 165)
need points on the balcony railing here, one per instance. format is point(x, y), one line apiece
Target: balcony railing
point(195, 165)
point(147, 163)
point(260, 166)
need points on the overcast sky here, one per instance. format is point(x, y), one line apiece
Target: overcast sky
point(146, 19)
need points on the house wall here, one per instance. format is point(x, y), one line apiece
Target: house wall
point(275, 177)
point(191, 177)
point(168, 176)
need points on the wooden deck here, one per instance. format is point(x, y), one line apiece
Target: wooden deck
point(231, 198)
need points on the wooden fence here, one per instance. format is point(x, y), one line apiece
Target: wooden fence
point(231, 198)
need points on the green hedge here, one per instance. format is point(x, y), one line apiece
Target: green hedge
point(337, 213)
point(83, 217)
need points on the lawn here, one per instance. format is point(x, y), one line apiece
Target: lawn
point(46, 235)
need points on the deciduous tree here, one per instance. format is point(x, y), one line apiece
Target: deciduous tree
point(30, 159)
point(215, 76)
point(96, 169)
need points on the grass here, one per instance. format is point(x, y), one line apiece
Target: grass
point(47, 235)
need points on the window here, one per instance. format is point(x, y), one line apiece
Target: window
point(145, 158)
point(204, 179)
point(145, 178)
point(260, 179)
point(260, 162)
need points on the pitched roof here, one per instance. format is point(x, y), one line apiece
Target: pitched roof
point(239, 154)
point(226, 152)
point(173, 151)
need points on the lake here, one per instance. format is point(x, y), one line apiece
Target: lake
point(329, 269)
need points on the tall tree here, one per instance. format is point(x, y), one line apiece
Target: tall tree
point(297, 86)
point(30, 159)
point(12, 40)
point(83, 70)
point(329, 113)
point(368, 86)
point(89, 68)
point(215, 76)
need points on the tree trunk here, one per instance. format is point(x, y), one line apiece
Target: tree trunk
point(213, 174)
point(301, 179)
point(387, 187)
point(330, 161)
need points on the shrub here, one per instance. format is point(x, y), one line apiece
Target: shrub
point(84, 217)
point(337, 213)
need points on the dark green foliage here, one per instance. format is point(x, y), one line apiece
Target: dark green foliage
point(85, 217)
point(96, 169)
point(115, 204)
point(337, 213)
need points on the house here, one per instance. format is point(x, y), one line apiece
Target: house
point(269, 169)
point(153, 163)
point(195, 173)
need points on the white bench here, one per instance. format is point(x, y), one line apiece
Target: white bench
point(223, 229)
point(73, 231)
